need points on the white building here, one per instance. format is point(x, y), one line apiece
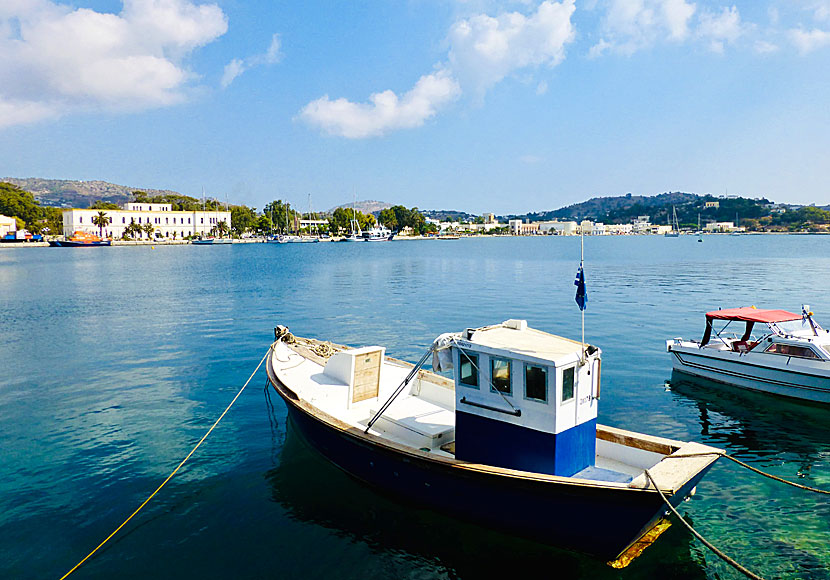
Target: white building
point(166, 223)
point(618, 229)
point(519, 228)
point(561, 228)
point(723, 227)
point(8, 225)
point(590, 228)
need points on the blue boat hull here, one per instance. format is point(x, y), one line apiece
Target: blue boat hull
point(594, 519)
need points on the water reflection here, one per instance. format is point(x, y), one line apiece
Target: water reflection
point(312, 490)
point(755, 424)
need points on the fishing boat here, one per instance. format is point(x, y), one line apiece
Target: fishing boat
point(379, 233)
point(511, 441)
point(203, 241)
point(790, 357)
point(80, 239)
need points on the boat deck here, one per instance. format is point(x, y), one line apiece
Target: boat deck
point(423, 417)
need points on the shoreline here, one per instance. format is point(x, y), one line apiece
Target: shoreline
point(414, 238)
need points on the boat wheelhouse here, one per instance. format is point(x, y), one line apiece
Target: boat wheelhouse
point(790, 356)
point(510, 441)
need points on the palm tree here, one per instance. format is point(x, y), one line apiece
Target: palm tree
point(222, 228)
point(148, 229)
point(101, 220)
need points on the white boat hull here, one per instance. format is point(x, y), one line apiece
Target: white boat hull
point(775, 374)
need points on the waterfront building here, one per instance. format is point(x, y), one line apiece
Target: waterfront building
point(723, 227)
point(568, 228)
point(590, 228)
point(518, 228)
point(618, 229)
point(8, 225)
point(167, 224)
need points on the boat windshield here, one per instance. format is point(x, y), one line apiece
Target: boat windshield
point(798, 327)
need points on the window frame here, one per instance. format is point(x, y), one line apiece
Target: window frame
point(546, 371)
point(562, 399)
point(473, 362)
point(493, 388)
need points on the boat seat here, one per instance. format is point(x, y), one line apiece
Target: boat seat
point(743, 345)
point(417, 422)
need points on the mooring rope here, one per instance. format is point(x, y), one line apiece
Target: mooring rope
point(169, 477)
point(751, 468)
point(708, 544)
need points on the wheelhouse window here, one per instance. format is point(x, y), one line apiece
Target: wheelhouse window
point(536, 383)
point(468, 369)
point(500, 375)
point(791, 350)
point(568, 375)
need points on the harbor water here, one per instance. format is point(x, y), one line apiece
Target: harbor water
point(115, 361)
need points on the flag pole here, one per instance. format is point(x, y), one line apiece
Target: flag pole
point(581, 264)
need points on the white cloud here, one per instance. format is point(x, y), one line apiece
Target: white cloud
point(631, 25)
point(485, 49)
point(720, 28)
point(809, 40)
point(237, 66)
point(232, 70)
point(385, 111)
point(58, 60)
point(765, 47)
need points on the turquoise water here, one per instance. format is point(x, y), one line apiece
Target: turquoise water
point(115, 361)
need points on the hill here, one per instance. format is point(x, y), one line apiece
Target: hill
point(659, 208)
point(367, 206)
point(80, 194)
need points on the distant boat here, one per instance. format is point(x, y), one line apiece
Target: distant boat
point(379, 233)
point(675, 229)
point(356, 235)
point(202, 241)
point(80, 240)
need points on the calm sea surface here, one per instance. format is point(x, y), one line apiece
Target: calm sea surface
point(115, 361)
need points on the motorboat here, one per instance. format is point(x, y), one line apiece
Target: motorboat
point(379, 233)
point(507, 437)
point(80, 239)
point(790, 357)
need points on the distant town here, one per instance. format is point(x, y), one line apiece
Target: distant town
point(118, 213)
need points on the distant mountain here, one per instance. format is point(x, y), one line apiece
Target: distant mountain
point(80, 194)
point(366, 206)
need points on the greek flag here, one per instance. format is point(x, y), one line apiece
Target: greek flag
point(581, 292)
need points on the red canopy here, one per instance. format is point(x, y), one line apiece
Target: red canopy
point(749, 314)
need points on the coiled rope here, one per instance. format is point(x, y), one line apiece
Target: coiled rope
point(169, 477)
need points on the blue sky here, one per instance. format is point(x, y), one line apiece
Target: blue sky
point(474, 105)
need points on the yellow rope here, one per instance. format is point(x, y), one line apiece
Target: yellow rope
point(169, 477)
